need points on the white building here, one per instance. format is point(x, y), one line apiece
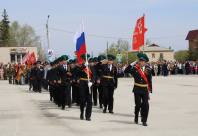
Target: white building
point(15, 54)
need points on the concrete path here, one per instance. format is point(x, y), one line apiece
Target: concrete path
point(173, 112)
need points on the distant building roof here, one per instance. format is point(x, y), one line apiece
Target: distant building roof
point(192, 35)
point(154, 47)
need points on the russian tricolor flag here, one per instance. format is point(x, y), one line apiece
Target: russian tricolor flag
point(79, 40)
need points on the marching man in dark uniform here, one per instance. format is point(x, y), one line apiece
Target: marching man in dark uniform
point(109, 82)
point(98, 79)
point(76, 81)
point(85, 87)
point(64, 79)
point(142, 87)
point(96, 84)
point(72, 70)
point(38, 76)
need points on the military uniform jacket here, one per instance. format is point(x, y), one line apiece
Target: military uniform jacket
point(63, 76)
point(139, 89)
point(72, 70)
point(75, 75)
point(83, 76)
point(38, 74)
point(98, 73)
point(108, 77)
point(49, 75)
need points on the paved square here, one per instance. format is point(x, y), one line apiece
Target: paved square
point(173, 111)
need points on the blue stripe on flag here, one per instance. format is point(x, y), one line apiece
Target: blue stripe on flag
point(80, 42)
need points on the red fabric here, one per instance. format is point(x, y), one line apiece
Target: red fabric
point(81, 52)
point(32, 58)
point(90, 74)
point(138, 35)
point(144, 77)
point(25, 58)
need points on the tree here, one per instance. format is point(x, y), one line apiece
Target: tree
point(124, 47)
point(181, 55)
point(191, 54)
point(25, 36)
point(14, 34)
point(4, 29)
point(161, 57)
point(196, 51)
point(148, 42)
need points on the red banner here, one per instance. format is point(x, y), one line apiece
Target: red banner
point(32, 58)
point(138, 35)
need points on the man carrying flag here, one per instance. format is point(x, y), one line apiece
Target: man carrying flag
point(84, 85)
point(85, 73)
point(142, 74)
point(142, 87)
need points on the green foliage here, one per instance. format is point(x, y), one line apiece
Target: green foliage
point(148, 42)
point(193, 54)
point(161, 57)
point(4, 29)
point(17, 35)
point(181, 55)
point(25, 36)
point(123, 45)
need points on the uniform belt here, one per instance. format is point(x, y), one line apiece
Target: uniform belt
point(107, 76)
point(141, 85)
point(85, 79)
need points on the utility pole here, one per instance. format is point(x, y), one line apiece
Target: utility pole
point(47, 31)
point(107, 48)
point(127, 55)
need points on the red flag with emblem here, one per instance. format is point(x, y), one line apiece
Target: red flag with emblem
point(138, 35)
point(32, 58)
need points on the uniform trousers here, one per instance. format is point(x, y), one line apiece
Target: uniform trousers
point(65, 95)
point(95, 93)
point(141, 102)
point(85, 97)
point(73, 93)
point(108, 99)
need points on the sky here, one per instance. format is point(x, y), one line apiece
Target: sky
point(168, 22)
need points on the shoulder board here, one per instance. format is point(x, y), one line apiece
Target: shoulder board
point(148, 68)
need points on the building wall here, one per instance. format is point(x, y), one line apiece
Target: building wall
point(5, 53)
point(192, 44)
point(168, 55)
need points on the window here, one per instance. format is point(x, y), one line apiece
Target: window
point(12, 57)
point(153, 55)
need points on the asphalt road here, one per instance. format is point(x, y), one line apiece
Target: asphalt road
point(173, 111)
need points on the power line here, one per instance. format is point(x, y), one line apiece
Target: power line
point(98, 36)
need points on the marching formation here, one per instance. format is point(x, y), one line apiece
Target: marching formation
point(72, 83)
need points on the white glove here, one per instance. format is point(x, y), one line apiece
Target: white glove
point(90, 84)
point(149, 94)
point(86, 64)
point(132, 64)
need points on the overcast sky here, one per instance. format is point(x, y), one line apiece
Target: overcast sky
point(108, 18)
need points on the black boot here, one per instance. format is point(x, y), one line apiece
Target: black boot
point(136, 120)
point(111, 111)
point(81, 116)
point(144, 124)
point(105, 110)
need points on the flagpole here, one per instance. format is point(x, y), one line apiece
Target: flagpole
point(143, 49)
point(88, 72)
